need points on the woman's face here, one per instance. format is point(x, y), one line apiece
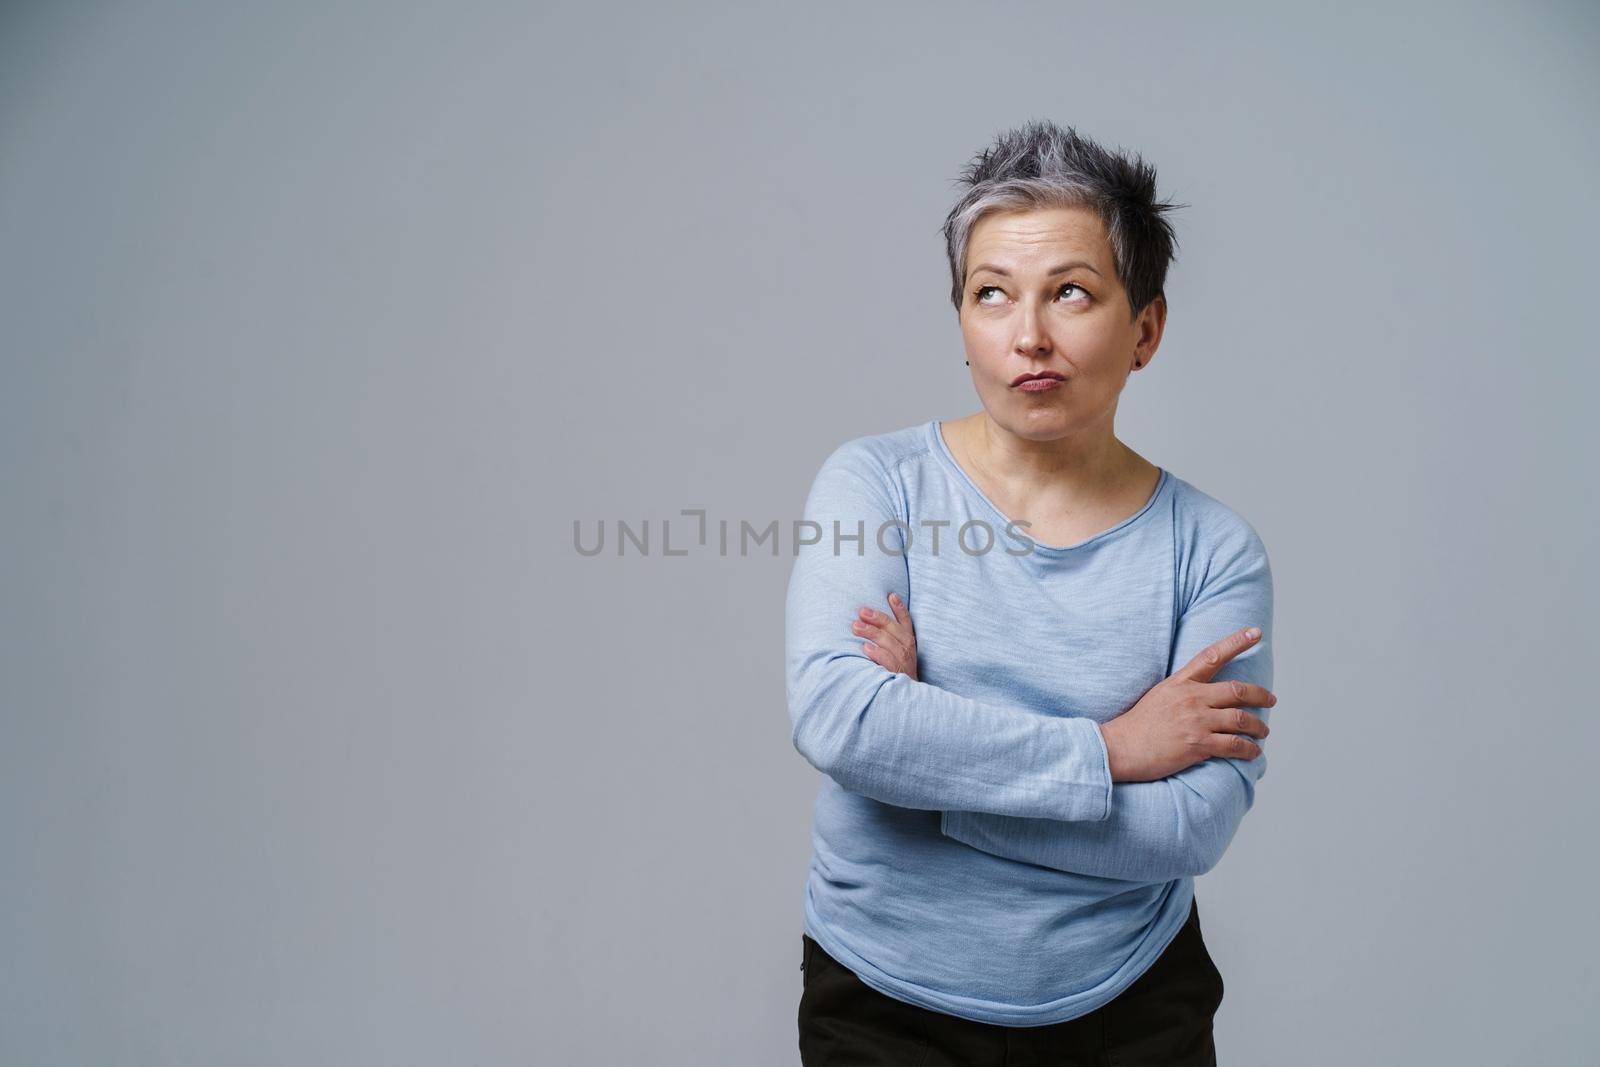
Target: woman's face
point(1042, 295)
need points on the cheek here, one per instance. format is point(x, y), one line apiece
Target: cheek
point(1097, 353)
point(983, 339)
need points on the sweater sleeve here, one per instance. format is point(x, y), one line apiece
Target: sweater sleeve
point(881, 733)
point(1179, 825)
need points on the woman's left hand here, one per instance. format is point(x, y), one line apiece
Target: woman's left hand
point(892, 642)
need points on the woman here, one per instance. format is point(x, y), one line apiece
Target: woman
point(1019, 790)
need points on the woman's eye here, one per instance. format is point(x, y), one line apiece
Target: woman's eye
point(978, 292)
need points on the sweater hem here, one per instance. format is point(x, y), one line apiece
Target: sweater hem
point(1174, 913)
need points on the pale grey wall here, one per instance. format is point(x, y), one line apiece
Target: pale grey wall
point(322, 745)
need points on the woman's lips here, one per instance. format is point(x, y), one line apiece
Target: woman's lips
point(1039, 385)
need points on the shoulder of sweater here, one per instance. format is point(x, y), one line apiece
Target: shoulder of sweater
point(1216, 546)
point(1206, 527)
point(881, 453)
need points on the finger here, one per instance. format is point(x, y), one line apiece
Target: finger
point(900, 610)
point(883, 657)
point(900, 627)
point(1231, 691)
point(880, 654)
point(1239, 721)
point(883, 635)
point(1209, 660)
point(1234, 746)
point(877, 618)
point(886, 624)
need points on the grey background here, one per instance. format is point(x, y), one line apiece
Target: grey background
point(321, 744)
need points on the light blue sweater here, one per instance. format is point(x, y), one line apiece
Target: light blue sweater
point(971, 853)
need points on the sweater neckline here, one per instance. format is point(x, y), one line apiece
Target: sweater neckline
point(942, 450)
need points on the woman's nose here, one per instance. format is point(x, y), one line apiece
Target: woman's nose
point(1030, 330)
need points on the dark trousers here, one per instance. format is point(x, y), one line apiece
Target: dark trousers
point(1162, 1018)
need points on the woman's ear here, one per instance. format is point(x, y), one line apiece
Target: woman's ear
point(1152, 321)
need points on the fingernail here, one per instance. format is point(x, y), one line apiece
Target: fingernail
point(1253, 632)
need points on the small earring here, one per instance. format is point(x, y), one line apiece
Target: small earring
point(969, 362)
point(1138, 363)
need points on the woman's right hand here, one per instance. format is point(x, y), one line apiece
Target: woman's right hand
point(1189, 718)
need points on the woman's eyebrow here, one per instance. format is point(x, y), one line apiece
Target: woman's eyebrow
point(1061, 268)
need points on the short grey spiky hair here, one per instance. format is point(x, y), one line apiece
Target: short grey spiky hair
point(1040, 165)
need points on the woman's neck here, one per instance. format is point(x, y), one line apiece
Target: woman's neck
point(1085, 467)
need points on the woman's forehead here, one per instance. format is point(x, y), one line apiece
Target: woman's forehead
point(1026, 239)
